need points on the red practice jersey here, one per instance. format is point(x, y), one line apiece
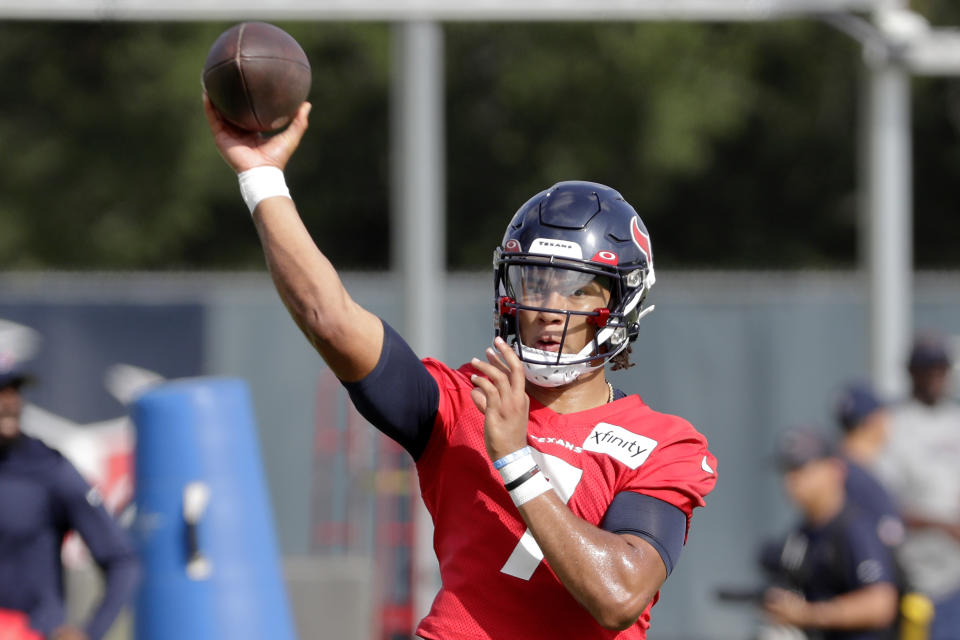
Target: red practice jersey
point(495, 582)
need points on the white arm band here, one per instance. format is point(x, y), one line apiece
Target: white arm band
point(530, 489)
point(516, 469)
point(260, 183)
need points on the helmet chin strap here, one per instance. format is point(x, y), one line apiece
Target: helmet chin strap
point(543, 369)
point(553, 375)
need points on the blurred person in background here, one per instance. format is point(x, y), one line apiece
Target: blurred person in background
point(921, 467)
point(560, 504)
point(835, 579)
point(42, 498)
point(864, 421)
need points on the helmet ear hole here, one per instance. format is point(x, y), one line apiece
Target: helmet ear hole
point(632, 323)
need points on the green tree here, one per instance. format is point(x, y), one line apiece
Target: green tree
point(735, 142)
point(724, 137)
point(108, 162)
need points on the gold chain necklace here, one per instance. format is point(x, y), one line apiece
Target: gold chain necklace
point(610, 397)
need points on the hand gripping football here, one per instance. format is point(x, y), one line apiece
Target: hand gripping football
point(256, 75)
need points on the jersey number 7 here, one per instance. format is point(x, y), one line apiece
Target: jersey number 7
point(564, 477)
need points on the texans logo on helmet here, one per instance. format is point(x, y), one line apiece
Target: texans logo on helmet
point(641, 239)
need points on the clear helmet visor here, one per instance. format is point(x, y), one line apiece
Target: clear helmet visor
point(558, 288)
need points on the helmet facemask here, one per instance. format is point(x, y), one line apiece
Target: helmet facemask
point(600, 293)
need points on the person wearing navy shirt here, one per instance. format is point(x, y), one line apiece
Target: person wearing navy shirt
point(42, 498)
point(838, 580)
point(864, 421)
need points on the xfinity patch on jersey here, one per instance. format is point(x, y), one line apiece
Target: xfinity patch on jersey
point(629, 448)
point(560, 248)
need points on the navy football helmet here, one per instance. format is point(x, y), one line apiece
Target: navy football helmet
point(560, 241)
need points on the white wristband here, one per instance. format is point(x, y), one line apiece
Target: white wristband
point(516, 469)
point(260, 183)
point(530, 489)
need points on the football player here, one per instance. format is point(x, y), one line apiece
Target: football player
point(560, 504)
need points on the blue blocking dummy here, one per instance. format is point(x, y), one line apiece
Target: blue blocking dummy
point(204, 525)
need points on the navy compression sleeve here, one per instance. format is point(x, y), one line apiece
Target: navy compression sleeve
point(660, 523)
point(399, 397)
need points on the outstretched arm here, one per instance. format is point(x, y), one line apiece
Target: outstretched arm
point(347, 336)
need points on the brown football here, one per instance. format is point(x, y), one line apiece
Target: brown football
point(256, 76)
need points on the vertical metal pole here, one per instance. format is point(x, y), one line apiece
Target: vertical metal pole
point(890, 258)
point(418, 228)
